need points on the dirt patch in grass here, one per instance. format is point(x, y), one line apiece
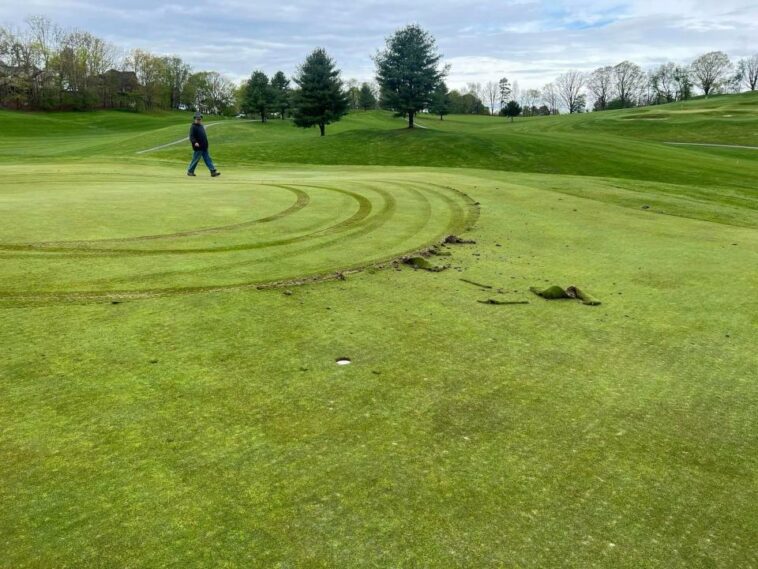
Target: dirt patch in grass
point(455, 240)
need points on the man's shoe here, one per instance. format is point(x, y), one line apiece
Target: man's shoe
point(215, 173)
point(190, 173)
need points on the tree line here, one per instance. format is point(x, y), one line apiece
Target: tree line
point(626, 84)
point(45, 67)
point(620, 86)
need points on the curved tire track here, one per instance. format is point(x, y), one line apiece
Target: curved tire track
point(462, 211)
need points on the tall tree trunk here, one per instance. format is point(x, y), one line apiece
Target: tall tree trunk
point(322, 126)
point(410, 119)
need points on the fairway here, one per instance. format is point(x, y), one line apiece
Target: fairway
point(169, 392)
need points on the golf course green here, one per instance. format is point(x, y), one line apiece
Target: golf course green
point(169, 392)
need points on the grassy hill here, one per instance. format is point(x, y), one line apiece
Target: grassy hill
point(169, 392)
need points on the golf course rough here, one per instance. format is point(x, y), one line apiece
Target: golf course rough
point(165, 403)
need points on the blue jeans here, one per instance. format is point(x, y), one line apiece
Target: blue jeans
point(196, 158)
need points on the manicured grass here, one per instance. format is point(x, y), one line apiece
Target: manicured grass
point(158, 409)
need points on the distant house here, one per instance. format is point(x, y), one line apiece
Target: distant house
point(22, 86)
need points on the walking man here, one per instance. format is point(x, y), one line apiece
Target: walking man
point(199, 142)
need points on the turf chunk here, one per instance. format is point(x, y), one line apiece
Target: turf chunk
point(423, 264)
point(550, 293)
point(555, 292)
point(586, 298)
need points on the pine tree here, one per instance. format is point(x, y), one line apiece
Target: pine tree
point(504, 90)
point(440, 101)
point(320, 99)
point(408, 71)
point(258, 95)
point(280, 86)
point(366, 98)
point(512, 109)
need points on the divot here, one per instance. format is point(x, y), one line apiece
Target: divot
point(343, 361)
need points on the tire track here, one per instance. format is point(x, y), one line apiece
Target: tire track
point(384, 215)
point(364, 209)
point(302, 200)
point(463, 214)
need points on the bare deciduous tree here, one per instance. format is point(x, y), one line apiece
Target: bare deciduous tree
point(629, 79)
point(46, 36)
point(748, 71)
point(600, 85)
point(530, 99)
point(711, 71)
point(570, 86)
point(550, 97)
point(663, 83)
point(491, 93)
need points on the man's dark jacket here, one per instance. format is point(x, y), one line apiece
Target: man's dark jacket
point(197, 134)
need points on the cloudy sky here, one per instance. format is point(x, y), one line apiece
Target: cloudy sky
point(528, 40)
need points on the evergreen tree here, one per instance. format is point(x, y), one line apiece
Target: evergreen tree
point(408, 71)
point(440, 101)
point(258, 95)
point(504, 91)
point(366, 98)
point(512, 109)
point(320, 99)
point(280, 87)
